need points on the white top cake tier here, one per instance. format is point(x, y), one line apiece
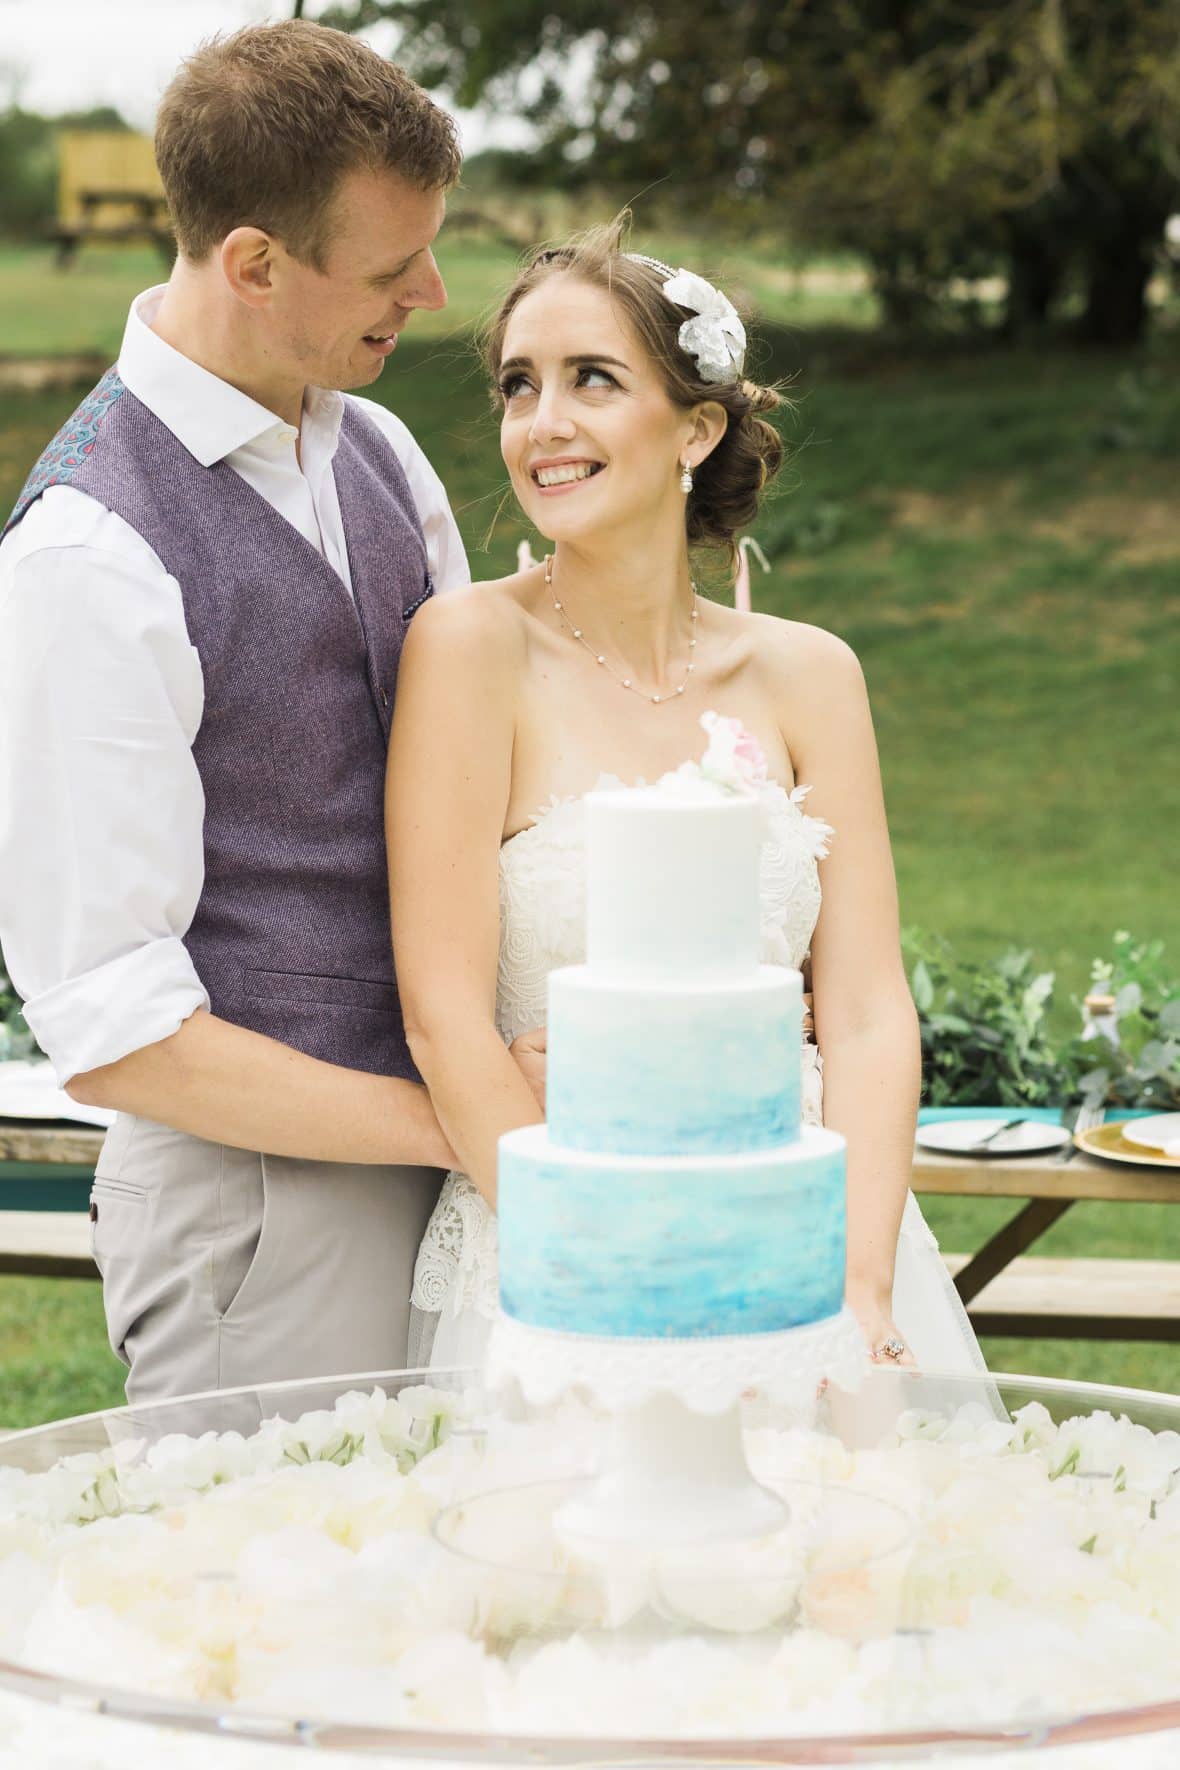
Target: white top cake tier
point(672, 881)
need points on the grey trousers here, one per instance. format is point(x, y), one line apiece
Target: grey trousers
point(222, 1267)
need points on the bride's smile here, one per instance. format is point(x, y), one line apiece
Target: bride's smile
point(561, 475)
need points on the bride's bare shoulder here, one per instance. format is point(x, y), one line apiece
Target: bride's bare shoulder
point(796, 653)
point(484, 620)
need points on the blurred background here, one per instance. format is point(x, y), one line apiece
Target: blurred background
point(955, 229)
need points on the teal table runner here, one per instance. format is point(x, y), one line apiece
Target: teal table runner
point(1045, 1115)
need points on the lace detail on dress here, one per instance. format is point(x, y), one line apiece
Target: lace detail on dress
point(790, 893)
point(457, 1265)
point(811, 1104)
point(542, 910)
point(542, 926)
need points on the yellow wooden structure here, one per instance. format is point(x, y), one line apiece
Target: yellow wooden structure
point(108, 189)
point(101, 160)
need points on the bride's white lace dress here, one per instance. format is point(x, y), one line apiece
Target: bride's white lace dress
point(542, 926)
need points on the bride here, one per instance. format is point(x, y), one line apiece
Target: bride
point(633, 442)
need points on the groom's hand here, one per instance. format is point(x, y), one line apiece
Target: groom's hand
point(529, 1051)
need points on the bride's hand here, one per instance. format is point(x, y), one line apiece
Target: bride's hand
point(875, 1316)
point(529, 1051)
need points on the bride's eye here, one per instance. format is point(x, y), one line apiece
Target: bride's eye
point(511, 385)
point(599, 374)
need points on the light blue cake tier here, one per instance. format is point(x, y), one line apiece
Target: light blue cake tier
point(684, 1247)
point(674, 1069)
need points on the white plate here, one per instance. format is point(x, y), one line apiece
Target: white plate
point(955, 1136)
point(28, 1091)
point(1157, 1132)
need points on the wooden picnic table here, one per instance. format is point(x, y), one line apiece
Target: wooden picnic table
point(48, 1143)
point(45, 1171)
point(1009, 1292)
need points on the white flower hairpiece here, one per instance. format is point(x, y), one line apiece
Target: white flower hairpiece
point(715, 338)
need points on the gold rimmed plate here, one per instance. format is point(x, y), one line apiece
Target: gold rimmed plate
point(1109, 1143)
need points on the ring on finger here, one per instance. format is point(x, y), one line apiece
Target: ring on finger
point(891, 1348)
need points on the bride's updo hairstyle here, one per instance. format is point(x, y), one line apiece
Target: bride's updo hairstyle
point(728, 483)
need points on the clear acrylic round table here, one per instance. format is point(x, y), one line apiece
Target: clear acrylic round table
point(405, 1600)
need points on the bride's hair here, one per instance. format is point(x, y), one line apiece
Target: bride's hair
point(728, 484)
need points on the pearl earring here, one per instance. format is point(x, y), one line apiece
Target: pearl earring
point(686, 478)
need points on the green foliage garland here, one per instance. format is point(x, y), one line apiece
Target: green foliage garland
point(987, 1039)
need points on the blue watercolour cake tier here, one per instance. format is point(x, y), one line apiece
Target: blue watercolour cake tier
point(653, 1068)
point(673, 1193)
point(682, 1247)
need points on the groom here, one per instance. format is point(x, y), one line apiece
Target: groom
point(204, 590)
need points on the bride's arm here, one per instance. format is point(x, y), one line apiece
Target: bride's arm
point(446, 796)
point(865, 1022)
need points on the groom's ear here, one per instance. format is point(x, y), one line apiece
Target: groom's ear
point(247, 264)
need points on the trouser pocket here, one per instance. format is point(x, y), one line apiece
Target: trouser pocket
point(120, 1229)
point(245, 1229)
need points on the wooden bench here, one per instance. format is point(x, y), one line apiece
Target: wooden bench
point(46, 1244)
point(1078, 1299)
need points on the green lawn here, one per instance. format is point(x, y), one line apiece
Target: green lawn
point(998, 536)
point(44, 311)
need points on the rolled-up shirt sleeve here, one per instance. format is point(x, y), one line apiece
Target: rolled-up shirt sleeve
point(101, 803)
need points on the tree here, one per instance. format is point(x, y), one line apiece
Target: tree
point(28, 173)
point(28, 164)
point(941, 138)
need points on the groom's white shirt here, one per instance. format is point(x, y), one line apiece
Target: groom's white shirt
point(101, 696)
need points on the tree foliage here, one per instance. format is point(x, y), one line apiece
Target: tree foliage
point(28, 164)
point(940, 138)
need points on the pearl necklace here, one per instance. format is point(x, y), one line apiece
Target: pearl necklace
point(625, 681)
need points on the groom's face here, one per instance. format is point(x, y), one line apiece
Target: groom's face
point(338, 325)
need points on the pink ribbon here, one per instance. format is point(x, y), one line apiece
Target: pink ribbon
point(741, 583)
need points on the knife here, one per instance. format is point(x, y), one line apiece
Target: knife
point(1009, 1125)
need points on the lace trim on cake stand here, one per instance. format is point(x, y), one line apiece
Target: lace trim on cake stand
point(708, 1375)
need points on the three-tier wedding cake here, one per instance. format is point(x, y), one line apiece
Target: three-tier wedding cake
point(673, 1193)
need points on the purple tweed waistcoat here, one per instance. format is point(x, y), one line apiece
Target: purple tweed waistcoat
point(291, 935)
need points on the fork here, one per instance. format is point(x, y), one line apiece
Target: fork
point(1088, 1119)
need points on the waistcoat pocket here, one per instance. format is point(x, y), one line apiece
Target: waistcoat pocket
point(312, 989)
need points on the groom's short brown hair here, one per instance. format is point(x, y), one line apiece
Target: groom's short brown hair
point(258, 128)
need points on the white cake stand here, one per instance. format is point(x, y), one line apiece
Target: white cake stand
point(676, 1470)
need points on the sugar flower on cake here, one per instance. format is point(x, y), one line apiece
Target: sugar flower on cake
point(734, 763)
point(733, 757)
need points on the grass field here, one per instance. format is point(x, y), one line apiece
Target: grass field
point(998, 536)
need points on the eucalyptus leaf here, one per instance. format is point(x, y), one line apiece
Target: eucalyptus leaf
point(923, 987)
point(985, 1028)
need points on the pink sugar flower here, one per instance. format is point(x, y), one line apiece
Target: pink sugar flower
point(734, 757)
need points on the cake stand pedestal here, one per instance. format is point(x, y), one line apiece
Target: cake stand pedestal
point(675, 1469)
point(672, 1476)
